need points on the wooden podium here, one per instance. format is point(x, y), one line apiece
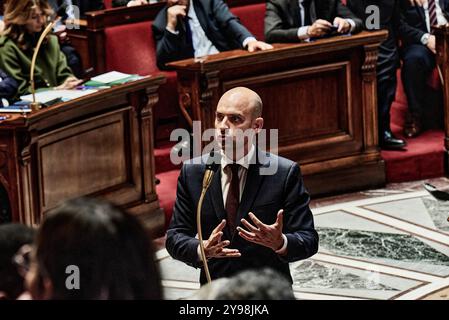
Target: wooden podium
point(321, 96)
point(99, 145)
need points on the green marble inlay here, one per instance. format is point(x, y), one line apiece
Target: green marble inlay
point(367, 244)
point(439, 211)
point(310, 274)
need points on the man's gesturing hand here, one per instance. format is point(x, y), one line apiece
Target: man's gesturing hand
point(266, 235)
point(215, 248)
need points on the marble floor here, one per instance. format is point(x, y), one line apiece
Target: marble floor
point(391, 243)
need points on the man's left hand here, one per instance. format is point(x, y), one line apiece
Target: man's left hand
point(342, 24)
point(266, 235)
point(258, 45)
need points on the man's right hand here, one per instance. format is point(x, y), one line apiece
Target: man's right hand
point(215, 248)
point(319, 28)
point(172, 16)
point(431, 44)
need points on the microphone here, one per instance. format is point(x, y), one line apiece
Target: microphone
point(35, 105)
point(211, 168)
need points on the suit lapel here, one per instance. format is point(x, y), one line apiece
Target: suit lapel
point(216, 196)
point(421, 13)
point(293, 7)
point(200, 14)
point(252, 186)
point(312, 12)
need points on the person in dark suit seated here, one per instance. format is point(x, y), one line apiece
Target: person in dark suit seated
point(251, 218)
point(192, 28)
point(387, 64)
point(295, 20)
point(418, 55)
point(8, 87)
point(24, 22)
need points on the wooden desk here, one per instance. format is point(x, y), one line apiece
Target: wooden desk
point(99, 145)
point(442, 58)
point(322, 96)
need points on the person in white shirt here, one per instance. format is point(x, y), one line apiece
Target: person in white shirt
point(296, 20)
point(193, 28)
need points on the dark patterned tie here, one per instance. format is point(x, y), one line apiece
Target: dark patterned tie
point(233, 197)
point(432, 14)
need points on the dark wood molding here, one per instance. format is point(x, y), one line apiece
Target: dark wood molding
point(333, 135)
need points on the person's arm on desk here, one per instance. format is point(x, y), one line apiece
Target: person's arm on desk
point(233, 28)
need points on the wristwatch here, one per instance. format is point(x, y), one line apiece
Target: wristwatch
point(425, 39)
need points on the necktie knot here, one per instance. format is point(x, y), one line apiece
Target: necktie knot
point(234, 169)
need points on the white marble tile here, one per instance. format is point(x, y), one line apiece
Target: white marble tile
point(344, 220)
point(412, 210)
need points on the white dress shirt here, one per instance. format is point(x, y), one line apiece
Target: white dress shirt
point(302, 31)
point(202, 46)
point(440, 19)
point(440, 16)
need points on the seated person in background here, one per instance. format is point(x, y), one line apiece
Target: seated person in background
point(8, 87)
point(387, 65)
point(295, 20)
point(24, 22)
point(193, 28)
point(418, 55)
point(65, 10)
point(12, 237)
point(111, 249)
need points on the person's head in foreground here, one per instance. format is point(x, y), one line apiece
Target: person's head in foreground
point(89, 249)
point(238, 111)
point(13, 237)
point(262, 284)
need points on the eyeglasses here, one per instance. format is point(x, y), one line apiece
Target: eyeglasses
point(22, 259)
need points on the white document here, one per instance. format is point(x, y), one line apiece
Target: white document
point(110, 77)
point(64, 95)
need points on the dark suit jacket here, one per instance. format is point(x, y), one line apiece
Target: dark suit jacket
point(282, 17)
point(390, 19)
point(415, 21)
point(264, 195)
point(222, 28)
point(8, 86)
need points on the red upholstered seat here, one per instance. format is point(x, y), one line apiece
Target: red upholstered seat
point(130, 48)
point(108, 4)
point(252, 17)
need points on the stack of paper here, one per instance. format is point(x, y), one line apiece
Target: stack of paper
point(111, 79)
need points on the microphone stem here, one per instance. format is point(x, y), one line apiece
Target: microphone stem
point(200, 236)
point(206, 183)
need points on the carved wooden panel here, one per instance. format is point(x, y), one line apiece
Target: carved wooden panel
point(85, 159)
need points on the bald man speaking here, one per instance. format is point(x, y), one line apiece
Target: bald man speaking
point(250, 219)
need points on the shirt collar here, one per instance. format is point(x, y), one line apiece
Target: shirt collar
point(244, 161)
